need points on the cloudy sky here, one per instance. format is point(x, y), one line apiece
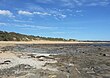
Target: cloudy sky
point(79, 19)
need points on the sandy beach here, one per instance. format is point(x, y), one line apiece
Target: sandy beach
point(46, 42)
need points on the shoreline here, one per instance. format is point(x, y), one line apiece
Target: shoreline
point(47, 42)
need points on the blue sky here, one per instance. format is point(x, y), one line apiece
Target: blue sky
point(79, 19)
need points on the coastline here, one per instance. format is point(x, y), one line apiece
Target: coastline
point(47, 42)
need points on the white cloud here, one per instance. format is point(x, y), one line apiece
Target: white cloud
point(79, 3)
point(24, 12)
point(31, 26)
point(59, 16)
point(6, 13)
point(28, 26)
point(104, 3)
point(45, 1)
point(2, 24)
point(96, 3)
point(22, 21)
point(32, 13)
point(92, 4)
point(63, 16)
point(38, 26)
point(71, 3)
point(52, 13)
point(41, 13)
point(78, 11)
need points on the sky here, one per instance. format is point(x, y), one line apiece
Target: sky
point(76, 19)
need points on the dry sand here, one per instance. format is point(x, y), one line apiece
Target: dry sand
point(41, 42)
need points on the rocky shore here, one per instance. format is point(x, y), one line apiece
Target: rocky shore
point(55, 60)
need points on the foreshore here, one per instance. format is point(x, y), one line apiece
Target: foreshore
point(46, 42)
point(53, 59)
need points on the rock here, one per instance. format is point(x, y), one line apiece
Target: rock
point(106, 55)
point(52, 76)
point(90, 72)
point(28, 67)
point(5, 62)
point(32, 55)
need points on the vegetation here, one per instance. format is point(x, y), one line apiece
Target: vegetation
point(12, 36)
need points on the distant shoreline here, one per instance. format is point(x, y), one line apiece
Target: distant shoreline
point(47, 42)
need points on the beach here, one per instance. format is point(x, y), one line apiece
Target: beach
point(54, 59)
